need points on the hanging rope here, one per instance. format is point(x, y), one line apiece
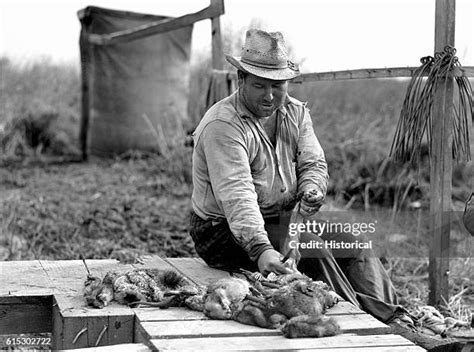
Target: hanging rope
point(416, 119)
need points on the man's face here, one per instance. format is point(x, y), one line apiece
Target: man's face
point(262, 96)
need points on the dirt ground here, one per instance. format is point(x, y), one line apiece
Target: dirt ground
point(121, 208)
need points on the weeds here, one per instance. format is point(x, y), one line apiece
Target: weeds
point(355, 122)
point(40, 109)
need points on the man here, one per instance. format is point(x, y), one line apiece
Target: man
point(255, 155)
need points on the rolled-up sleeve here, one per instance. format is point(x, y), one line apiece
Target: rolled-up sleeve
point(231, 180)
point(311, 168)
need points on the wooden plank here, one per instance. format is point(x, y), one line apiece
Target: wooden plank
point(129, 347)
point(100, 267)
point(86, 70)
point(110, 329)
point(121, 328)
point(141, 336)
point(366, 73)
point(22, 315)
point(441, 163)
point(68, 276)
point(362, 324)
point(180, 314)
point(217, 52)
point(24, 278)
point(154, 262)
point(196, 270)
point(58, 328)
point(375, 349)
point(358, 323)
point(344, 308)
point(97, 331)
point(202, 328)
point(68, 333)
point(156, 27)
point(75, 306)
point(72, 316)
point(347, 341)
point(117, 320)
point(170, 314)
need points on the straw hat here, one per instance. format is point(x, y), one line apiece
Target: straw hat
point(264, 55)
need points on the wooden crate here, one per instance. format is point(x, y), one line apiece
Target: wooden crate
point(75, 324)
point(46, 296)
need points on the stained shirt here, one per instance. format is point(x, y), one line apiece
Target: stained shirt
point(239, 175)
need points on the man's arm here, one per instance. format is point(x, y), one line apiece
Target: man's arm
point(231, 180)
point(311, 167)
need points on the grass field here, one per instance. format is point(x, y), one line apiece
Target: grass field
point(139, 203)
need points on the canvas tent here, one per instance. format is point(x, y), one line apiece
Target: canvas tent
point(135, 89)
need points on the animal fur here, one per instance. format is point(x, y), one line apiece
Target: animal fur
point(142, 286)
point(310, 326)
point(293, 303)
point(225, 297)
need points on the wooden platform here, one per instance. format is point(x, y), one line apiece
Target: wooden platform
point(40, 297)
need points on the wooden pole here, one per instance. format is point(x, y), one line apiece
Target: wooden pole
point(217, 52)
point(169, 24)
point(441, 162)
point(218, 85)
point(86, 58)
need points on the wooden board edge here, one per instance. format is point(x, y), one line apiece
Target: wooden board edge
point(343, 342)
point(140, 335)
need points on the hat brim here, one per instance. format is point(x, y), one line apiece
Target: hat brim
point(279, 74)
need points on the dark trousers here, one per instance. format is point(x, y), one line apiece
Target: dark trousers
point(355, 273)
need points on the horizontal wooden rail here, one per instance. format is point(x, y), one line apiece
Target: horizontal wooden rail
point(169, 24)
point(393, 72)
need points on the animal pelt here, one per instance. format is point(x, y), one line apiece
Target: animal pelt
point(310, 326)
point(141, 286)
point(294, 303)
point(429, 318)
point(224, 297)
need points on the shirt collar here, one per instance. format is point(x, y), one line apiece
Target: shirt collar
point(246, 113)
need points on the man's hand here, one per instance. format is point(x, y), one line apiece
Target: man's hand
point(291, 264)
point(310, 202)
point(270, 262)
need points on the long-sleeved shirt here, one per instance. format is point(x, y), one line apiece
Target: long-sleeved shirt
point(239, 175)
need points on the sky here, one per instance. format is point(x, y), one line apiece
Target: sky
point(324, 35)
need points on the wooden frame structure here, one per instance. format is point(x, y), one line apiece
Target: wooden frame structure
point(212, 12)
point(441, 160)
